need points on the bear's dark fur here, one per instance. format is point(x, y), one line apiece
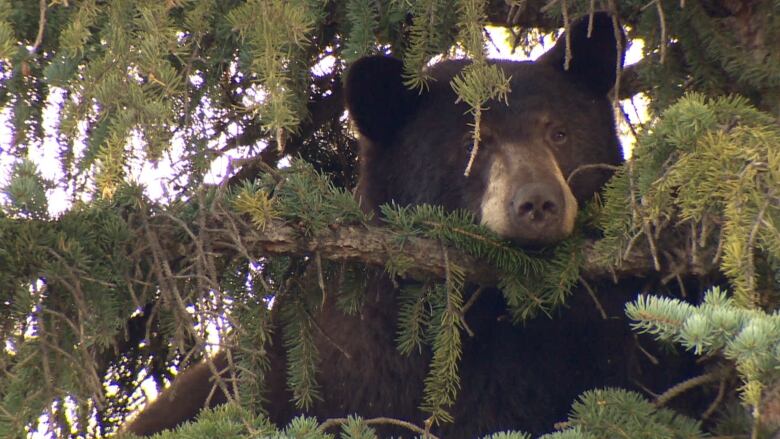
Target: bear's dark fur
point(414, 149)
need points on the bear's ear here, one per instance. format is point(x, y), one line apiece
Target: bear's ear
point(378, 101)
point(593, 59)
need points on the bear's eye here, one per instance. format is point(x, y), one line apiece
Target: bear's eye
point(558, 136)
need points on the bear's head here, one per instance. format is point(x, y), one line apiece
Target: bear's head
point(415, 144)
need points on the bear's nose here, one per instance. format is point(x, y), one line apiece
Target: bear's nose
point(538, 205)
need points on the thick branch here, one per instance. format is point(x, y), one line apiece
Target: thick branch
point(376, 246)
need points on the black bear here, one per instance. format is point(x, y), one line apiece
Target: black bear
point(414, 147)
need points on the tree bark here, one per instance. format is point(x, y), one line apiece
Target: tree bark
point(375, 246)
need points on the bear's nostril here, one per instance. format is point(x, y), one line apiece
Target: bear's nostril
point(526, 208)
point(549, 207)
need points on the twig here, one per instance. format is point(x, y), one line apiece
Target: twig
point(589, 167)
point(280, 140)
point(644, 388)
point(473, 299)
point(595, 299)
point(627, 118)
point(718, 398)
point(567, 30)
point(465, 308)
point(591, 14)
point(630, 247)
point(515, 10)
point(618, 32)
point(689, 384)
point(751, 263)
point(217, 375)
point(320, 277)
point(490, 40)
point(333, 422)
point(164, 273)
point(662, 19)
point(476, 138)
point(327, 336)
point(645, 224)
point(41, 25)
point(427, 432)
point(681, 284)
point(756, 422)
point(644, 351)
point(546, 8)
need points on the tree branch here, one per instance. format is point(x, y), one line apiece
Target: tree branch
point(375, 246)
